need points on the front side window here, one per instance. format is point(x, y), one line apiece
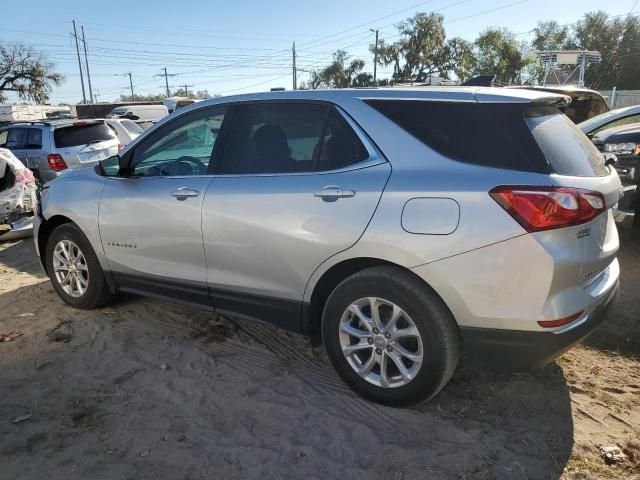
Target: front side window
point(290, 137)
point(631, 119)
point(182, 148)
point(16, 138)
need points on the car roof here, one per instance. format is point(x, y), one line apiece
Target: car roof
point(62, 122)
point(455, 93)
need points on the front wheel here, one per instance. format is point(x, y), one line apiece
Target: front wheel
point(390, 337)
point(74, 269)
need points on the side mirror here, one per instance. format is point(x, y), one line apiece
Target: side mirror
point(115, 166)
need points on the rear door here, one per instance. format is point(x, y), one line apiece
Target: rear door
point(83, 144)
point(297, 185)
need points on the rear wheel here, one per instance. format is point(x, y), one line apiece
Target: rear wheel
point(74, 269)
point(390, 337)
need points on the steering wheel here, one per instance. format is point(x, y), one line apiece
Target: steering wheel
point(199, 166)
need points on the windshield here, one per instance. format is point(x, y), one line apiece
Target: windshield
point(588, 125)
point(118, 111)
point(76, 135)
point(131, 127)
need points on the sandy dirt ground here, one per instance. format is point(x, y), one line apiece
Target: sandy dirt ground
point(148, 390)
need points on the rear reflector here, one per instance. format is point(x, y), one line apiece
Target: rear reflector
point(543, 208)
point(560, 322)
point(56, 162)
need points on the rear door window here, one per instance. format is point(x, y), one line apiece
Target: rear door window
point(34, 139)
point(290, 137)
point(565, 146)
point(77, 135)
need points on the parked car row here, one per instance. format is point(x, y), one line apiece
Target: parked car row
point(385, 220)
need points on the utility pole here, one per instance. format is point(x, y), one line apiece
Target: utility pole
point(186, 92)
point(295, 71)
point(86, 62)
point(375, 59)
point(75, 35)
point(166, 79)
point(133, 98)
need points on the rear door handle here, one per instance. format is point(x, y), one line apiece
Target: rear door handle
point(331, 193)
point(183, 193)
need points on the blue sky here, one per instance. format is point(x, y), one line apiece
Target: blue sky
point(244, 46)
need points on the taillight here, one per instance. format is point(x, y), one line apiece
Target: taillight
point(56, 162)
point(543, 208)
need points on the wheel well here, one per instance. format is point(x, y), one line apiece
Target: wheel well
point(43, 235)
point(329, 281)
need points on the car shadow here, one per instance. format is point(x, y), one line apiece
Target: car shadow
point(20, 255)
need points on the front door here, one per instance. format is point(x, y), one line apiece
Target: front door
point(296, 186)
point(150, 222)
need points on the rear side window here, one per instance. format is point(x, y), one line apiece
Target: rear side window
point(34, 139)
point(76, 135)
point(17, 138)
point(565, 146)
point(491, 135)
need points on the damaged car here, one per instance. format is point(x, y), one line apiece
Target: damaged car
point(17, 197)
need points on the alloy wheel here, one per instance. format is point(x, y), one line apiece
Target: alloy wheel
point(70, 268)
point(381, 342)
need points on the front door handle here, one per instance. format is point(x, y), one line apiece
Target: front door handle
point(331, 193)
point(183, 193)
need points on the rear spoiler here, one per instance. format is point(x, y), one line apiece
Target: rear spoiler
point(512, 95)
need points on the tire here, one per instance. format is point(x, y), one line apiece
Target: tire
point(435, 348)
point(95, 292)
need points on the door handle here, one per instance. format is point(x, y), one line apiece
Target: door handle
point(331, 193)
point(183, 193)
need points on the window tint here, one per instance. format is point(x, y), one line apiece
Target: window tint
point(492, 135)
point(281, 137)
point(34, 139)
point(341, 146)
point(17, 138)
point(183, 147)
point(564, 145)
point(78, 135)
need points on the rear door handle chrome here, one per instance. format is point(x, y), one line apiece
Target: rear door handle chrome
point(331, 193)
point(183, 193)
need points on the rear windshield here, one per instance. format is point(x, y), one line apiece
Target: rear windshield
point(492, 135)
point(510, 136)
point(132, 127)
point(565, 146)
point(76, 135)
point(118, 111)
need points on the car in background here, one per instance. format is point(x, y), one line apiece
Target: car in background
point(140, 112)
point(175, 103)
point(17, 197)
point(623, 141)
point(124, 129)
point(384, 219)
point(610, 119)
point(49, 148)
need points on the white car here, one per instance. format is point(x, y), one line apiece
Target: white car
point(125, 130)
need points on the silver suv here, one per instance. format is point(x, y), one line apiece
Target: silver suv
point(406, 226)
point(49, 148)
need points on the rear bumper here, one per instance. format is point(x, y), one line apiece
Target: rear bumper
point(514, 349)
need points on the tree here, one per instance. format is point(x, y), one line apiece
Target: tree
point(550, 35)
point(422, 50)
point(497, 53)
point(341, 74)
point(27, 73)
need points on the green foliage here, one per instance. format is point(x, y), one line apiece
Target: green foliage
point(340, 74)
point(497, 52)
point(27, 73)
